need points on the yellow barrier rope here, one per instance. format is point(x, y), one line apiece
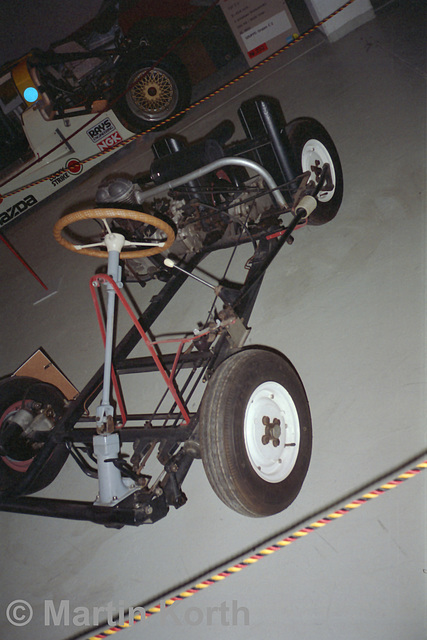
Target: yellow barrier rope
point(280, 544)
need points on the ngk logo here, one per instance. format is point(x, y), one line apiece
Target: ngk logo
point(110, 141)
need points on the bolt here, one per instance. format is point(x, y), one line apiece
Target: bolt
point(148, 510)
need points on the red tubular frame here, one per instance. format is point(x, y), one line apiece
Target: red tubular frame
point(96, 281)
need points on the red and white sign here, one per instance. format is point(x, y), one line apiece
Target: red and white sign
point(261, 27)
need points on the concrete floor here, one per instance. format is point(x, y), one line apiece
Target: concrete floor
point(346, 303)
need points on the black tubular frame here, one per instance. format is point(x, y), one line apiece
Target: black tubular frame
point(148, 506)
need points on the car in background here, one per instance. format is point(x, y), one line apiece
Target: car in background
point(124, 59)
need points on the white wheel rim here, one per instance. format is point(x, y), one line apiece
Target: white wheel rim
point(271, 401)
point(313, 156)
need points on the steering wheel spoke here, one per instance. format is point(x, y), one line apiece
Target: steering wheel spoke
point(79, 247)
point(107, 226)
point(132, 243)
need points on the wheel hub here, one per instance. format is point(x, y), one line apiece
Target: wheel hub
point(271, 432)
point(14, 444)
point(314, 157)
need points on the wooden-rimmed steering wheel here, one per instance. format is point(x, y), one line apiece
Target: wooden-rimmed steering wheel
point(97, 249)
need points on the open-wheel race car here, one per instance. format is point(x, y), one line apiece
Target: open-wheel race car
point(252, 428)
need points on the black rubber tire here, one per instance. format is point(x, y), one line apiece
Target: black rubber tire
point(299, 132)
point(224, 412)
point(19, 452)
point(169, 83)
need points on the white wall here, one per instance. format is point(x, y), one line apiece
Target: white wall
point(351, 17)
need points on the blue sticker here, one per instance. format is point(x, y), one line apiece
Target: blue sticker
point(31, 94)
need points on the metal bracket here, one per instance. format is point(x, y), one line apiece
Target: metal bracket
point(237, 333)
